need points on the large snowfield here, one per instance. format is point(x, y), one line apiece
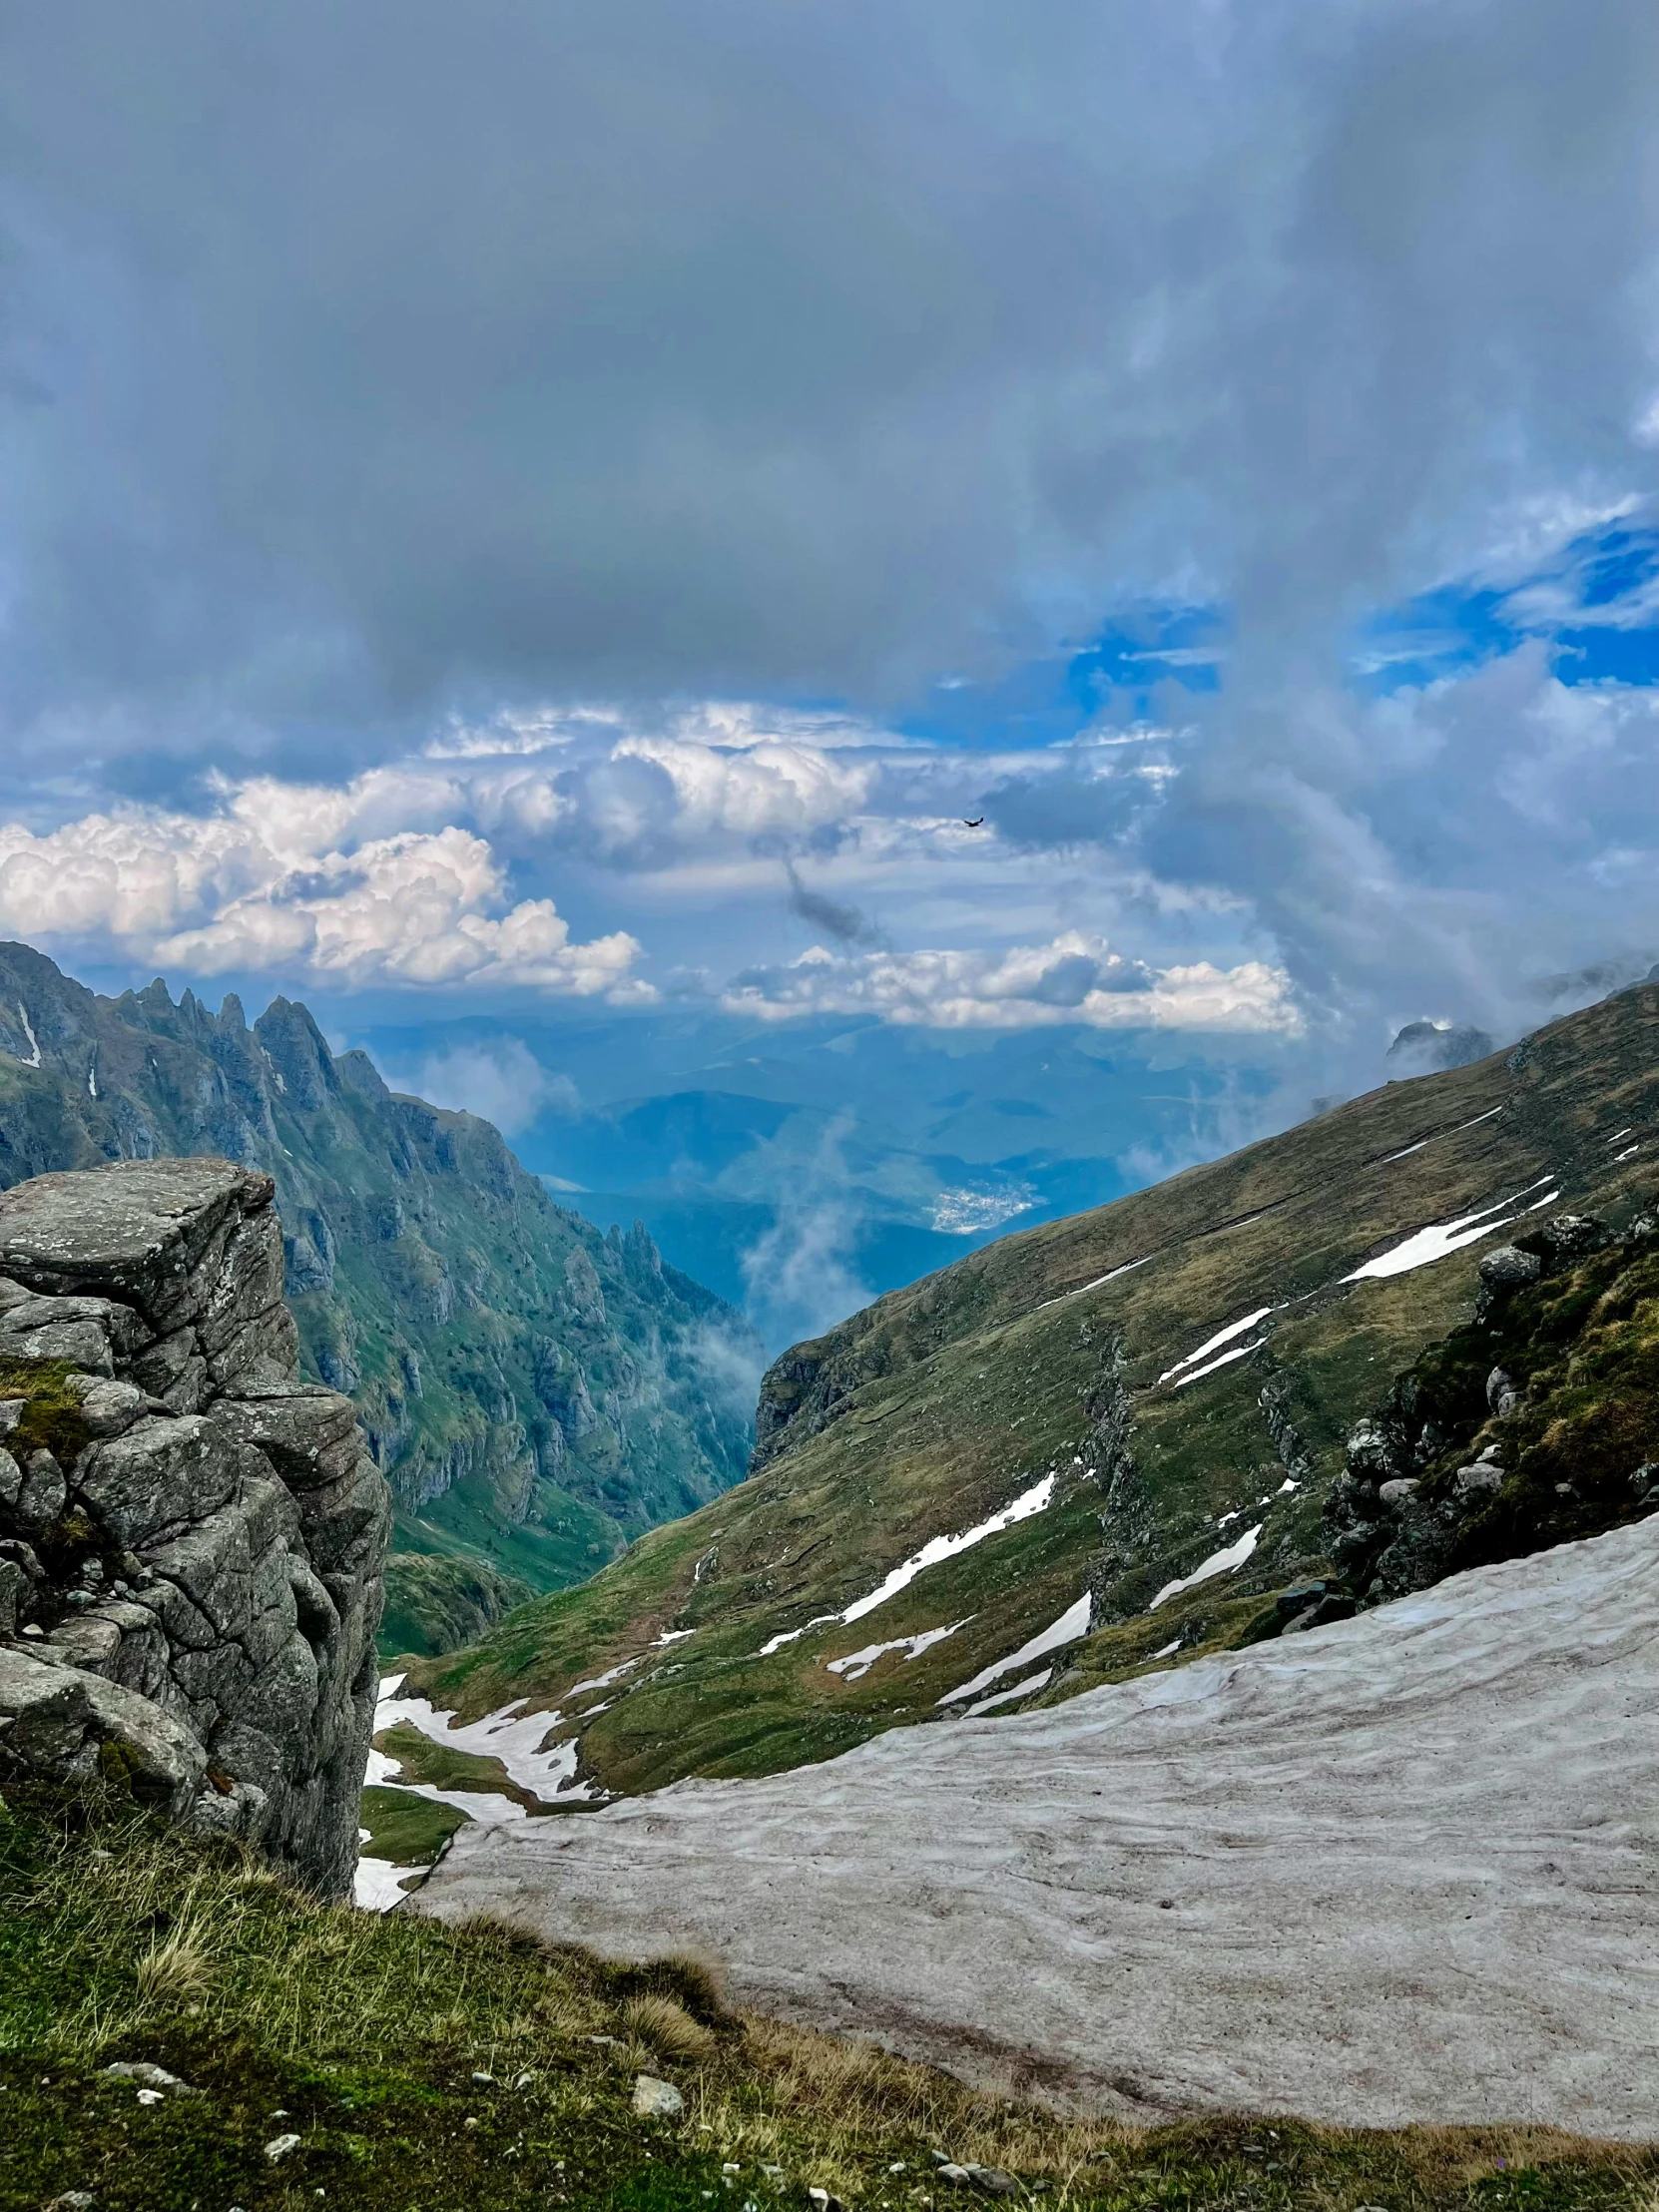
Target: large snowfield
point(1401, 1868)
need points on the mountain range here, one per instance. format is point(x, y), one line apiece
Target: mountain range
point(538, 1391)
point(1265, 1393)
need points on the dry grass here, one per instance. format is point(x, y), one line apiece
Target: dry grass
point(667, 2027)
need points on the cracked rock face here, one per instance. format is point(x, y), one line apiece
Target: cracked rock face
point(190, 1569)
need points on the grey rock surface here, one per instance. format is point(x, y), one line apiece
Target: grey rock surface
point(200, 1584)
point(1398, 1868)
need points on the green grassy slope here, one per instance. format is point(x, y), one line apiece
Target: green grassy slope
point(1043, 1354)
point(537, 1392)
point(397, 2065)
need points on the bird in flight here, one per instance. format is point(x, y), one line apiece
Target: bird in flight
point(966, 825)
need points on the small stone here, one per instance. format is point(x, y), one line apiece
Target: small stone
point(150, 2096)
point(469, 2121)
point(657, 2100)
point(1502, 1393)
point(484, 2080)
point(76, 2200)
point(1400, 1491)
point(153, 2077)
point(279, 2147)
point(993, 2181)
point(12, 1410)
point(1478, 1480)
point(958, 2176)
point(523, 2081)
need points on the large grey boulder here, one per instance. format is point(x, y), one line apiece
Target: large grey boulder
point(215, 1541)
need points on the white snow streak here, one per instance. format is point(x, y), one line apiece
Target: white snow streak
point(1007, 1697)
point(857, 1664)
point(1030, 1501)
point(604, 1681)
point(1110, 1276)
point(1072, 1623)
point(1238, 1351)
point(1218, 1562)
point(1221, 1336)
point(33, 1061)
point(1426, 1246)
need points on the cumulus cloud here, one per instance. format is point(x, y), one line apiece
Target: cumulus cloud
point(499, 1079)
point(1074, 978)
point(260, 886)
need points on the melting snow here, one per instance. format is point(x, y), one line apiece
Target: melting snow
point(1110, 1276)
point(674, 1636)
point(1072, 1623)
point(377, 1885)
point(1030, 1501)
point(1240, 1351)
point(518, 1740)
point(602, 1681)
point(1218, 1562)
point(1221, 1336)
point(777, 1643)
point(1007, 1697)
point(1426, 1246)
point(1630, 1155)
point(856, 1664)
point(1457, 1132)
point(33, 1061)
point(1169, 1650)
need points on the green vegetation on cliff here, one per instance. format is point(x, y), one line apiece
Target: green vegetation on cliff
point(316, 2054)
point(1074, 1356)
point(537, 1392)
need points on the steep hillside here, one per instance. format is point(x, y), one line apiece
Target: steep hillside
point(536, 1391)
point(1107, 1442)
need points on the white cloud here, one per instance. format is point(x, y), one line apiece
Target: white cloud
point(272, 883)
point(499, 1079)
point(1073, 978)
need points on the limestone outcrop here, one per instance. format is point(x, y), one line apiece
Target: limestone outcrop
point(191, 1536)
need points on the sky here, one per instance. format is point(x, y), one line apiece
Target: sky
point(1140, 523)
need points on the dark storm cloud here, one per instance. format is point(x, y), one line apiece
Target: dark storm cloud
point(358, 351)
point(360, 359)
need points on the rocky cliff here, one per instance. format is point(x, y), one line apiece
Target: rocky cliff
point(536, 1391)
point(190, 1535)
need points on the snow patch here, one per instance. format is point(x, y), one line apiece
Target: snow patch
point(377, 1885)
point(33, 1061)
point(1426, 1246)
point(518, 1740)
point(1238, 1351)
point(1630, 1155)
point(1007, 1697)
point(1033, 1501)
point(1110, 1276)
point(857, 1664)
point(1218, 1562)
point(1072, 1623)
point(602, 1681)
point(1221, 1336)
